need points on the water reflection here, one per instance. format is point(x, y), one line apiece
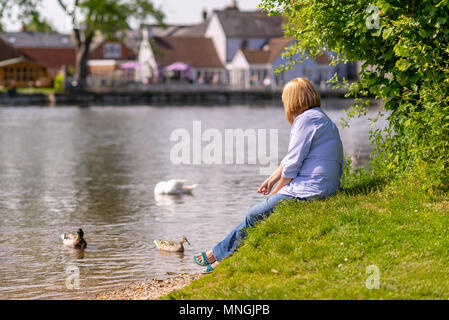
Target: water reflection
point(171, 199)
point(95, 168)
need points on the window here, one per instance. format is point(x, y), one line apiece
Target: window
point(112, 50)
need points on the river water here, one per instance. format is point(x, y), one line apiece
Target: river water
point(96, 168)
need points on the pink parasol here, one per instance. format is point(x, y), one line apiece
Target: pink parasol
point(129, 65)
point(178, 66)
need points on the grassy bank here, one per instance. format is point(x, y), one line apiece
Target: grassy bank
point(321, 249)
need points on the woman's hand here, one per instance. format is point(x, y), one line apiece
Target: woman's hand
point(282, 183)
point(268, 184)
point(266, 187)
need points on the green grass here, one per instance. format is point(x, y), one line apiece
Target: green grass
point(34, 90)
point(37, 90)
point(321, 249)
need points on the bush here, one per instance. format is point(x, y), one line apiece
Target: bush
point(404, 48)
point(58, 83)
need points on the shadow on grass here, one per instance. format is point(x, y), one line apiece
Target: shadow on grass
point(363, 182)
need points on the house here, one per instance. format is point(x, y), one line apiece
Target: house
point(22, 72)
point(106, 58)
point(256, 67)
point(51, 50)
point(231, 29)
point(18, 70)
point(37, 57)
point(183, 59)
point(247, 44)
point(251, 68)
point(250, 45)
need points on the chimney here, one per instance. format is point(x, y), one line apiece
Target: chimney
point(204, 13)
point(233, 6)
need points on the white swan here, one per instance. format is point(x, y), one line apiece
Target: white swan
point(173, 186)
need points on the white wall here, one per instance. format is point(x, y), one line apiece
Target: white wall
point(216, 33)
point(239, 61)
point(148, 66)
point(239, 70)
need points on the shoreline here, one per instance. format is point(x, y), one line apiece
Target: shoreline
point(152, 289)
point(171, 97)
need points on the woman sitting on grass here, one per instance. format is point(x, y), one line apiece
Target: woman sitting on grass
point(311, 169)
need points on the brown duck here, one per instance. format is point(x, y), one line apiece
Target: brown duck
point(168, 245)
point(74, 240)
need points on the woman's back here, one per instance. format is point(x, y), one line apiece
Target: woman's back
point(315, 156)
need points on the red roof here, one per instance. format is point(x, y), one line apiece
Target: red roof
point(197, 52)
point(271, 51)
point(7, 51)
point(97, 51)
point(51, 57)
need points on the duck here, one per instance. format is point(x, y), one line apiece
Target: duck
point(168, 245)
point(173, 186)
point(74, 240)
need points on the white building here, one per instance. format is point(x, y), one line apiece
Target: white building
point(250, 45)
point(231, 29)
point(240, 48)
point(198, 53)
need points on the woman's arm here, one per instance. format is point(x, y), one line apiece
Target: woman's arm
point(268, 184)
point(301, 137)
point(282, 183)
point(302, 133)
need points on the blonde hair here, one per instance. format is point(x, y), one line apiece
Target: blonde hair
point(298, 96)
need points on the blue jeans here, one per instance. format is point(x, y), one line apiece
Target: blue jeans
point(257, 212)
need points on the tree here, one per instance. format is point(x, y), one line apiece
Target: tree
point(27, 8)
point(90, 17)
point(36, 23)
point(404, 47)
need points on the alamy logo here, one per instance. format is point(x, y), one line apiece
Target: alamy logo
point(372, 21)
point(72, 280)
point(373, 280)
point(212, 146)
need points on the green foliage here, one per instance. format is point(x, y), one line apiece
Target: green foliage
point(18, 10)
point(36, 23)
point(111, 16)
point(89, 18)
point(58, 82)
point(405, 63)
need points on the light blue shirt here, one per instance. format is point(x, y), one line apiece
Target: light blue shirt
point(315, 156)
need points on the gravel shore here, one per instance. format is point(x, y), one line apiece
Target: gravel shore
point(149, 290)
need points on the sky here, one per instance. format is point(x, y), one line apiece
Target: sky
point(176, 11)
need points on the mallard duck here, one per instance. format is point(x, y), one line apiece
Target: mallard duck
point(168, 245)
point(74, 240)
point(173, 186)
